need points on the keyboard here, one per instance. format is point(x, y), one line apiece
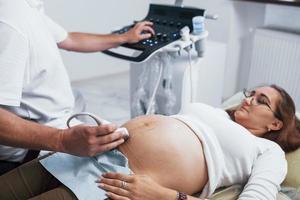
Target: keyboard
point(167, 23)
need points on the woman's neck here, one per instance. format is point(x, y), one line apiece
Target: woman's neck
point(254, 131)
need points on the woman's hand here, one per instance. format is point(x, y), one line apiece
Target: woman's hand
point(133, 187)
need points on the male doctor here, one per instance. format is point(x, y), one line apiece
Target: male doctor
point(35, 93)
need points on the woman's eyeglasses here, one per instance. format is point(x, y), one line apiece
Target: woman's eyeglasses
point(260, 99)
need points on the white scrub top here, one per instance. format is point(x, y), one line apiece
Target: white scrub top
point(34, 83)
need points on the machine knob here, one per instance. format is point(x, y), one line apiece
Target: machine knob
point(164, 22)
point(171, 23)
point(158, 35)
point(178, 24)
point(165, 37)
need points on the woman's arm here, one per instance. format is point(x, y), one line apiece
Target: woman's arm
point(268, 172)
point(135, 187)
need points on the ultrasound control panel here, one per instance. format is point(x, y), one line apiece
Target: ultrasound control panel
point(167, 22)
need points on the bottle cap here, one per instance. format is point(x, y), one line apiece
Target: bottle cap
point(198, 19)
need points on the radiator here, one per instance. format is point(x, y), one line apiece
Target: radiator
point(276, 59)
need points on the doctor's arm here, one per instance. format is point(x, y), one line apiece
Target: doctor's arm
point(86, 42)
point(78, 140)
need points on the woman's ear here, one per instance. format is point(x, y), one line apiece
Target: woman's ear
point(276, 125)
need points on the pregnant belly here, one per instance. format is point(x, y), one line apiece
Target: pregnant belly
point(168, 151)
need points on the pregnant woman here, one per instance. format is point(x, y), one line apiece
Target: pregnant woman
point(197, 151)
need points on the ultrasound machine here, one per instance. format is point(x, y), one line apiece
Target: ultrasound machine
point(165, 68)
point(167, 23)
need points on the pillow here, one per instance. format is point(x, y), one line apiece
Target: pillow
point(233, 192)
point(229, 193)
point(233, 101)
point(293, 176)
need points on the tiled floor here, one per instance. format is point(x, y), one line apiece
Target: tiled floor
point(107, 97)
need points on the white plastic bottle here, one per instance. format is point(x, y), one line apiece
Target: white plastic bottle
point(198, 28)
point(198, 25)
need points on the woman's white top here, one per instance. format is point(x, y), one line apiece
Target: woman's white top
point(234, 155)
point(34, 83)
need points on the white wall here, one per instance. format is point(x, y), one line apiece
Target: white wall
point(284, 17)
point(266, 15)
point(96, 16)
point(236, 23)
point(237, 20)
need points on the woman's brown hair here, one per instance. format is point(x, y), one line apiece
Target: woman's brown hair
point(288, 137)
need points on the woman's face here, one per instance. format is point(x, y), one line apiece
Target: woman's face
point(256, 112)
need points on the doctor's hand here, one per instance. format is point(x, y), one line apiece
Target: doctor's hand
point(133, 187)
point(89, 140)
point(141, 31)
